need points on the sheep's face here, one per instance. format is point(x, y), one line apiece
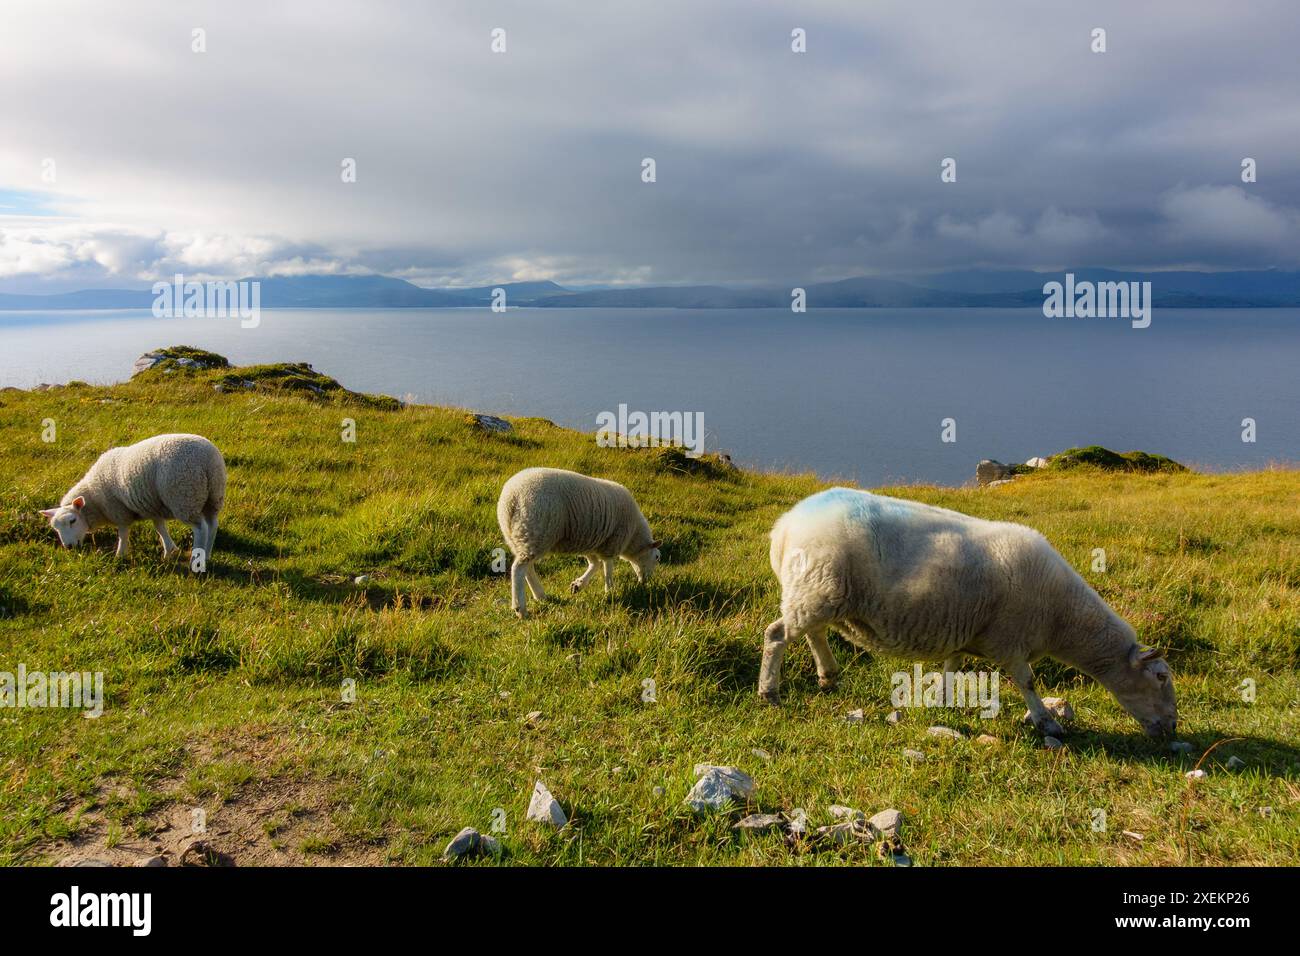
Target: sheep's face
point(69, 521)
point(1146, 691)
point(645, 562)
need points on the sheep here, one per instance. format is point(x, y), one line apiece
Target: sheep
point(180, 477)
point(906, 579)
point(545, 510)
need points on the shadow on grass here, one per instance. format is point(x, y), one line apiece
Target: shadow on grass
point(684, 593)
point(1274, 758)
point(343, 590)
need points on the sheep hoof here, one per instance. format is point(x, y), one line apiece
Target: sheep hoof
point(769, 697)
point(828, 683)
point(575, 587)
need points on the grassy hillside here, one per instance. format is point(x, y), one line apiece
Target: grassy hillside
point(223, 691)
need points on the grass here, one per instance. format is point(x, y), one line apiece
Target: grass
point(224, 691)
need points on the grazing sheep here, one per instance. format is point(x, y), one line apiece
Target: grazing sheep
point(545, 510)
point(181, 477)
point(910, 580)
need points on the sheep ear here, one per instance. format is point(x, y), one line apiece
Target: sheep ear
point(1144, 655)
point(1152, 654)
point(49, 512)
point(78, 502)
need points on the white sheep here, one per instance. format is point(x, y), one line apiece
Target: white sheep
point(180, 477)
point(545, 510)
point(909, 580)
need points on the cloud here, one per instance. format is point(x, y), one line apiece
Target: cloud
point(474, 166)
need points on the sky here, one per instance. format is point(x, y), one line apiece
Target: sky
point(126, 156)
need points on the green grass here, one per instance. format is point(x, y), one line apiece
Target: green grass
point(223, 690)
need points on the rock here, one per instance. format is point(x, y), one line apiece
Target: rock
point(490, 423)
point(532, 717)
point(888, 823)
point(153, 861)
point(854, 716)
point(1266, 812)
point(201, 853)
point(796, 823)
point(83, 861)
point(761, 754)
point(658, 791)
point(844, 833)
point(893, 717)
point(1235, 763)
point(1181, 747)
point(468, 842)
point(987, 740)
point(1036, 463)
point(989, 470)
point(1000, 481)
point(1196, 774)
point(1132, 835)
point(544, 808)
point(361, 579)
point(717, 786)
point(914, 755)
point(847, 814)
point(946, 732)
point(1058, 707)
point(759, 822)
point(1051, 743)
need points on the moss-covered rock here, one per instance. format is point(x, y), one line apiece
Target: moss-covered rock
point(178, 358)
point(300, 377)
point(1098, 457)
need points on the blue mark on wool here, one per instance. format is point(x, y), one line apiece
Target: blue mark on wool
point(855, 505)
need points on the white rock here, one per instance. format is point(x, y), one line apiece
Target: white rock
point(999, 481)
point(361, 579)
point(847, 814)
point(987, 740)
point(759, 822)
point(1051, 743)
point(469, 841)
point(854, 716)
point(544, 808)
point(1132, 835)
point(1235, 763)
point(717, 787)
point(893, 717)
point(761, 754)
point(1195, 774)
point(842, 833)
point(1266, 812)
point(1058, 707)
point(947, 732)
point(888, 823)
point(914, 755)
point(1036, 463)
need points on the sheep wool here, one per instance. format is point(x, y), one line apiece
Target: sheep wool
point(166, 477)
point(911, 580)
point(546, 510)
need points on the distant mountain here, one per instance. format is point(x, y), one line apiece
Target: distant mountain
point(970, 288)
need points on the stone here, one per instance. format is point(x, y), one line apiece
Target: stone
point(847, 814)
point(945, 732)
point(759, 822)
point(1196, 774)
point(1000, 481)
point(1051, 743)
point(490, 423)
point(854, 716)
point(844, 833)
point(914, 755)
point(469, 842)
point(1266, 812)
point(893, 717)
point(987, 740)
point(544, 808)
point(361, 579)
point(1036, 463)
point(888, 823)
point(761, 754)
point(989, 470)
point(153, 861)
point(532, 717)
point(1133, 835)
point(717, 787)
point(1235, 763)
point(1058, 707)
point(1181, 747)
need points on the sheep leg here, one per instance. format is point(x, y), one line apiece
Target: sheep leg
point(168, 545)
point(581, 581)
point(828, 670)
point(769, 676)
point(609, 574)
point(535, 583)
point(212, 534)
point(1023, 675)
point(518, 584)
point(123, 540)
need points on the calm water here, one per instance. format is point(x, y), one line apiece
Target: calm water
point(854, 394)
